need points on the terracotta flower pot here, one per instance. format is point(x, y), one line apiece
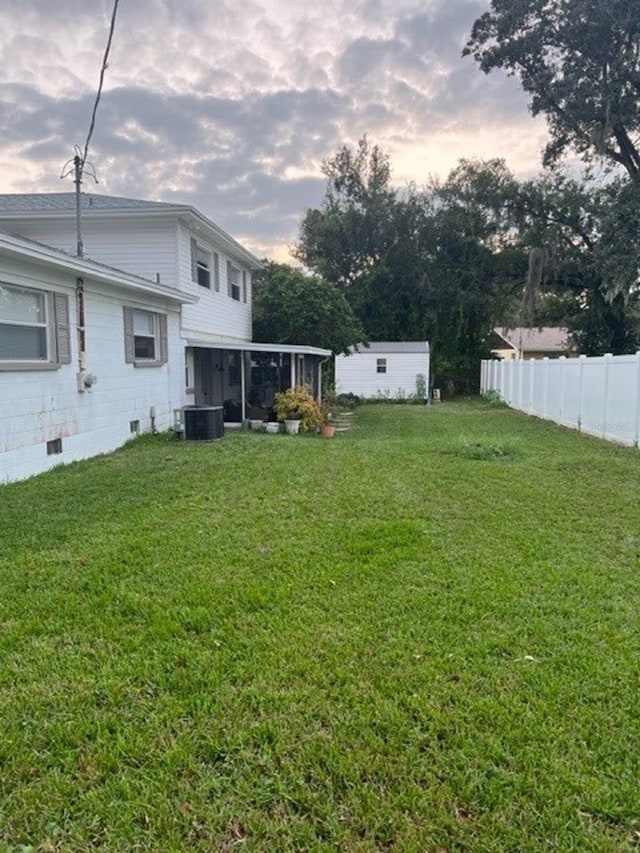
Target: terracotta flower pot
point(327, 430)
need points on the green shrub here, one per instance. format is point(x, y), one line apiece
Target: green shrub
point(298, 403)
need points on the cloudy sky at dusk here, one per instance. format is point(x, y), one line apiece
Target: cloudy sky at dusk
point(231, 106)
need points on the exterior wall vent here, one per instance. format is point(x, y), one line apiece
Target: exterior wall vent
point(54, 446)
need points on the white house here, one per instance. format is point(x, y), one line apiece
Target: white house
point(522, 342)
point(393, 369)
point(189, 277)
point(89, 356)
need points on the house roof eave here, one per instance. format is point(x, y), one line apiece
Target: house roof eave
point(255, 346)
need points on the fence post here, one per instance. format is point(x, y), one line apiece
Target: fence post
point(520, 381)
point(561, 367)
point(637, 425)
point(545, 388)
point(582, 359)
point(532, 379)
point(605, 408)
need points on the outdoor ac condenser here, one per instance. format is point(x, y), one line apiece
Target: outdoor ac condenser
point(203, 423)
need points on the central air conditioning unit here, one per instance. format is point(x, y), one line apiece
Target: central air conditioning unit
point(203, 423)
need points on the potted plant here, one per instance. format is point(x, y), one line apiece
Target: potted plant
point(298, 409)
point(327, 426)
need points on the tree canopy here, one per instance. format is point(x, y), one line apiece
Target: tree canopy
point(291, 307)
point(580, 62)
point(417, 265)
point(449, 262)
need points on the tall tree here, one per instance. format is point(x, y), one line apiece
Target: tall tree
point(580, 62)
point(364, 238)
point(291, 307)
point(433, 265)
point(591, 257)
point(474, 272)
point(348, 236)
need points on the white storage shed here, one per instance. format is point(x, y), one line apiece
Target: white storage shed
point(390, 369)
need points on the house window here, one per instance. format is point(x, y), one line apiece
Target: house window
point(381, 365)
point(145, 337)
point(233, 274)
point(203, 265)
point(145, 334)
point(34, 328)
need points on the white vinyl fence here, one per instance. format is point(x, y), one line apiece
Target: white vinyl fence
point(599, 396)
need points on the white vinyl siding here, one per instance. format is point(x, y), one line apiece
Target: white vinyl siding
point(137, 245)
point(216, 316)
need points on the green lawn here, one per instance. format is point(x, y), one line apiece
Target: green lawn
point(420, 636)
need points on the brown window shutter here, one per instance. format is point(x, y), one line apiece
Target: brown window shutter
point(194, 259)
point(62, 328)
point(129, 342)
point(164, 342)
point(216, 272)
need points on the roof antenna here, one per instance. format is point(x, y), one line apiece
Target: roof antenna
point(78, 163)
point(77, 166)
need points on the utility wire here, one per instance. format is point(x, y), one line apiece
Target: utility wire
point(105, 65)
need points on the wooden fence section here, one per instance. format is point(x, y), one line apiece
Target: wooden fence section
point(599, 396)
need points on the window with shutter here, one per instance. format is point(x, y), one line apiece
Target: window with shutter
point(145, 338)
point(204, 266)
point(34, 328)
point(233, 281)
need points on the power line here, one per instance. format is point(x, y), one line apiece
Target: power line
point(78, 162)
point(105, 65)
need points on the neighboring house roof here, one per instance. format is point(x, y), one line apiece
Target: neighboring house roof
point(544, 339)
point(392, 346)
point(63, 205)
point(14, 246)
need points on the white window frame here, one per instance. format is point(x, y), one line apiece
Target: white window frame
point(381, 365)
point(203, 265)
point(234, 275)
point(55, 325)
point(159, 336)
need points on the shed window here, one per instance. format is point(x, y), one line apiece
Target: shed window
point(381, 365)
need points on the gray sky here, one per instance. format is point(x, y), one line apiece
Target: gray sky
point(232, 106)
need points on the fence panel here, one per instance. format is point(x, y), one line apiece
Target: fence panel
point(599, 396)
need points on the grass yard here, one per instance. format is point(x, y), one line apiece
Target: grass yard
point(420, 636)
